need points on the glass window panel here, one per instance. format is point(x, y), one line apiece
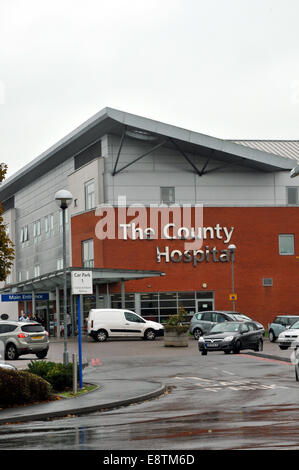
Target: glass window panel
point(286, 244)
point(186, 295)
point(292, 196)
point(167, 295)
point(168, 304)
point(149, 296)
point(187, 303)
point(89, 195)
point(167, 194)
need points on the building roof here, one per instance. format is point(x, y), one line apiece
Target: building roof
point(284, 148)
point(50, 281)
point(112, 121)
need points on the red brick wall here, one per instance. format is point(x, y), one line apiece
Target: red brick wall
point(256, 231)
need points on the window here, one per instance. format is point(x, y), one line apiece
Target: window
point(36, 270)
point(292, 196)
point(36, 230)
point(286, 244)
point(87, 254)
point(59, 263)
point(218, 318)
point(19, 276)
point(89, 195)
point(46, 224)
point(132, 317)
point(32, 328)
point(167, 194)
point(51, 222)
point(24, 237)
point(208, 316)
point(7, 328)
point(267, 281)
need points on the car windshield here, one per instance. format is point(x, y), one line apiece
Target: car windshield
point(295, 325)
point(225, 327)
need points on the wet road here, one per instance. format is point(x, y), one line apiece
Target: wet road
point(213, 402)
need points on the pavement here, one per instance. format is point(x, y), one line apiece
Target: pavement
point(109, 394)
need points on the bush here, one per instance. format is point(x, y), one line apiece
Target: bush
point(21, 387)
point(175, 322)
point(60, 376)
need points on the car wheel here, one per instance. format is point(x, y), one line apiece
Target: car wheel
point(204, 353)
point(272, 337)
point(41, 354)
point(237, 347)
point(101, 336)
point(149, 335)
point(259, 346)
point(11, 352)
point(283, 347)
point(227, 352)
point(197, 333)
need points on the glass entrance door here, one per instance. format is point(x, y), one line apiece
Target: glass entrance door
point(203, 305)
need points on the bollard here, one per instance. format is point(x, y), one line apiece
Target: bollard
point(75, 379)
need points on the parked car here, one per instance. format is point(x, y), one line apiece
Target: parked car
point(242, 317)
point(232, 336)
point(104, 323)
point(21, 338)
point(289, 337)
point(280, 324)
point(202, 322)
point(4, 365)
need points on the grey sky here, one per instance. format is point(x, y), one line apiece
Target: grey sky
point(229, 68)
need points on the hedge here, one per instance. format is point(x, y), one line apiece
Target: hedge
point(22, 387)
point(60, 376)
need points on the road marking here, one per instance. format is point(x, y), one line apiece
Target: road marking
point(227, 372)
point(265, 359)
point(234, 385)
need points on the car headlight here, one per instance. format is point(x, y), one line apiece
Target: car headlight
point(200, 339)
point(228, 338)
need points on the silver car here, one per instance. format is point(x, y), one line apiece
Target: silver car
point(19, 338)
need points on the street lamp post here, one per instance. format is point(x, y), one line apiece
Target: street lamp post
point(232, 248)
point(293, 174)
point(63, 199)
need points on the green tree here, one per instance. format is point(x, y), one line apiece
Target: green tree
point(7, 251)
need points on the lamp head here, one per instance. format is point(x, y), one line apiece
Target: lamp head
point(294, 172)
point(63, 198)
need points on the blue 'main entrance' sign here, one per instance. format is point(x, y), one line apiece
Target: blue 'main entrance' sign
point(23, 297)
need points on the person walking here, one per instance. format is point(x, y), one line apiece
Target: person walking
point(22, 317)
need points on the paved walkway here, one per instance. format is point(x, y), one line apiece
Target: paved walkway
point(110, 394)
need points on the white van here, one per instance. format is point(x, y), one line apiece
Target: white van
point(105, 323)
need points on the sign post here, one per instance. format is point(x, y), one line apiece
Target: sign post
point(81, 284)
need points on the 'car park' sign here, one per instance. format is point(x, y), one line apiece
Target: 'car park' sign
point(81, 282)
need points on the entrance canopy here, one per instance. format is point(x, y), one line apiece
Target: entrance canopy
point(51, 281)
